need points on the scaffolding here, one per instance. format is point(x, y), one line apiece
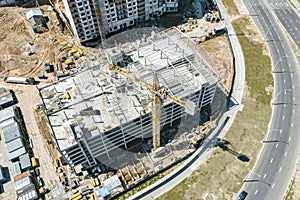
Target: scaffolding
point(108, 113)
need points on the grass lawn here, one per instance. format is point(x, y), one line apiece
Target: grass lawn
point(221, 176)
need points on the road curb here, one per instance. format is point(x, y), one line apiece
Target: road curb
point(225, 122)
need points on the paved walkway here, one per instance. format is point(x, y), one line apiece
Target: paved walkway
point(186, 169)
point(297, 4)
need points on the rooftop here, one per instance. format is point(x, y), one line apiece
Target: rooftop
point(99, 99)
point(35, 12)
point(11, 132)
point(14, 145)
point(15, 154)
point(27, 193)
point(6, 97)
point(7, 113)
point(25, 161)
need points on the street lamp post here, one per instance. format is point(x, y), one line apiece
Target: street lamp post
point(279, 94)
point(272, 130)
point(279, 60)
point(255, 180)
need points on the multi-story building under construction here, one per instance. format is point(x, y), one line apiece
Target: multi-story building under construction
point(90, 18)
point(98, 112)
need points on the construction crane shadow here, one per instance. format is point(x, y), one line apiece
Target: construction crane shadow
point(224, 146)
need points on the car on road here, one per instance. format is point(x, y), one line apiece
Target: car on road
point(242, 196)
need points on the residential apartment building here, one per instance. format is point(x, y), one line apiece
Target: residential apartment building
point(85, 16)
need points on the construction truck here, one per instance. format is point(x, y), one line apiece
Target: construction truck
point(20, 80)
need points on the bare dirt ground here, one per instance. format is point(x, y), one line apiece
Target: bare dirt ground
point(17, 37)
point(219, 56)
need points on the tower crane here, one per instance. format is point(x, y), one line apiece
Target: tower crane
point(157, 94)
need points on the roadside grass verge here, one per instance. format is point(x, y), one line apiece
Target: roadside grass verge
point(222, 174)
point(230, 7)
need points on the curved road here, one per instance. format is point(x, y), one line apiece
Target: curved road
point(274, 168)
point(192, 163)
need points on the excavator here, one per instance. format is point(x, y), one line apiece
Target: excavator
point(158, 93)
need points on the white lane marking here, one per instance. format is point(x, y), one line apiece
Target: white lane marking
point(293, 86)
point(283, 117)
point(273, 185)
point(255, 192)
point(284, 82)
point(276, 145)
point(285, 153)
point(289, 139)
point(284, 105)
point(265, 175)
point(277, 50)
point(294, 111)
point(271, 160)
point(279, 169)
point(292, 124)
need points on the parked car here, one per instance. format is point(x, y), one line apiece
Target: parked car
point(37, 171)
point(40, 182)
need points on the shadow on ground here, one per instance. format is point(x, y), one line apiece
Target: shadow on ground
point(223, 144)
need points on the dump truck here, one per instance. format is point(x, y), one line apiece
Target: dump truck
point(20, 80)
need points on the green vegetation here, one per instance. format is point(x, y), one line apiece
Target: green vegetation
point(293, 3)
point(222, 174)
point(230, 7)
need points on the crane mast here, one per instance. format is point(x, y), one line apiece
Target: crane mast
point(156, 102)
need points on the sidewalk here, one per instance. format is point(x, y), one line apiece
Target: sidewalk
point(186, 169)
point(297, 5)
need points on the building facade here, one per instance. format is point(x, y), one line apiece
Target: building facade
point(88, 17)
point(108, 113)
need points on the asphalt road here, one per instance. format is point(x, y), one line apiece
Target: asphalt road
point(191, 164)
point(273, 170)
point(288, 18)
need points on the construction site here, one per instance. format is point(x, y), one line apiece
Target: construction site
point(106, 108)
point(120, 114)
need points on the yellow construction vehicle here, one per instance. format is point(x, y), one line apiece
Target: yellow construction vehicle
point(192, 21)
point(68, 62)
point(158, 93)
point(43, 29)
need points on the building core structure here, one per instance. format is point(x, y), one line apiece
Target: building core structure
point(90, 18)
point(98, 113)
